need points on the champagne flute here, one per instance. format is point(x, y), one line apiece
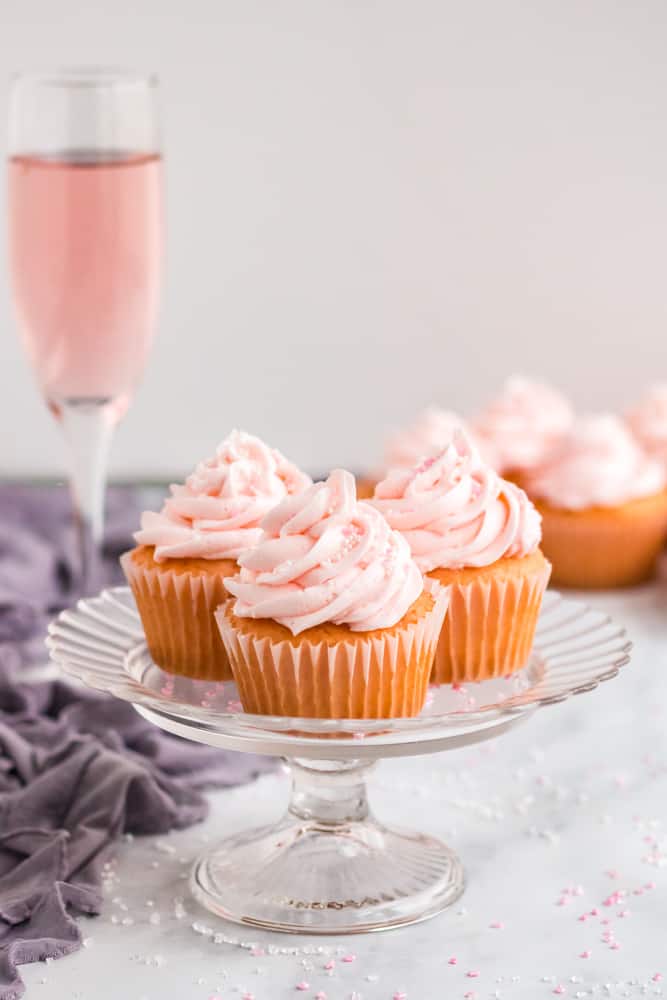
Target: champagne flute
point(85, 247)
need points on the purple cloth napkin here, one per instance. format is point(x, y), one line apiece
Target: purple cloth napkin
point(77, 769)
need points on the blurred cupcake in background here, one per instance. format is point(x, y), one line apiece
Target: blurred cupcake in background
point(330, 617)
point(479, 535)
point(427, 435)
point(648, 422)
point(603, 504)
point(521, 425)
point(185, 552)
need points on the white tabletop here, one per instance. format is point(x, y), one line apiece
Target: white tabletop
point(550, 821)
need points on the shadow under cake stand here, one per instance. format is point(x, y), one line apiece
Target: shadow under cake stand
point(328, 866)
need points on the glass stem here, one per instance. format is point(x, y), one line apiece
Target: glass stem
point(329, 793)
point(88, 426)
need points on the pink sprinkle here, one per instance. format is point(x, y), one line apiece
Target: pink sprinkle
point(650, 885)
point(583, 918)
point(562, 901)
point(400, 996)
point(469, 995)
point(595, 912)
point(605, 921)
point(473, 974)
point(320, 996)
point(585, 954)
point(497, 925)
point(248, 996)
point(257, 952)
point(657, 977)
point(348, 958)
point(302, 987)
point(578, 890)
point(612, 873)
point(456, 687)
point(623, 913)
point(559, 989)
point(614, 946)
point(330, 965)
point(453, 961)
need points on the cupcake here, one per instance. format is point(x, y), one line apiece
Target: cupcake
point(426, 436)
point(521, 425)
point(185, 552)
point(479, 535)
point(330, 617)
point(603, 506)
point(648, 422)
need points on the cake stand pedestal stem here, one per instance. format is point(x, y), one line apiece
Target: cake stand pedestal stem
point(328, 866)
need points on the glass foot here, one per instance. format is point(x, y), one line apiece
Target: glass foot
point(328, 867)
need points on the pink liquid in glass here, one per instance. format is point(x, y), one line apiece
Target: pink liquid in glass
point(85, 247)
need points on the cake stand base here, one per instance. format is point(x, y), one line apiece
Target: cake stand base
point(328, 867)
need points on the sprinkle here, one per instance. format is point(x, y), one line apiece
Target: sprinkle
point(473, 974)
point(657, 977)
point(399, 996)
point(614, 946)
point(650, 885)
point(497, 925)
point(257, 952)
point(330, 965)
point(248, 996)
point(320, 995)
point(302, 987)
point(586, 954)
point(559, 989)
point(583, 918)
point(348, 958)
point(453, 960)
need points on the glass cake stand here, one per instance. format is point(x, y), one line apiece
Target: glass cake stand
point(329, 866)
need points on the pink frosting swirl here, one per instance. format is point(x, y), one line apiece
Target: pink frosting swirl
point(455, 512)
point(427, 436)
point(216, 514)
point(327, 557)
point(598, 464)
point(523, 423)
point(648, 422)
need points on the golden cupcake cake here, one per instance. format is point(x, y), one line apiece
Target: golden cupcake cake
point(521, 425)
point(186, 551)
point(330, 616)
point(478, 535)
point(603, 502)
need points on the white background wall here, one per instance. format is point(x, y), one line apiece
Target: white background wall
point(375, 205)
